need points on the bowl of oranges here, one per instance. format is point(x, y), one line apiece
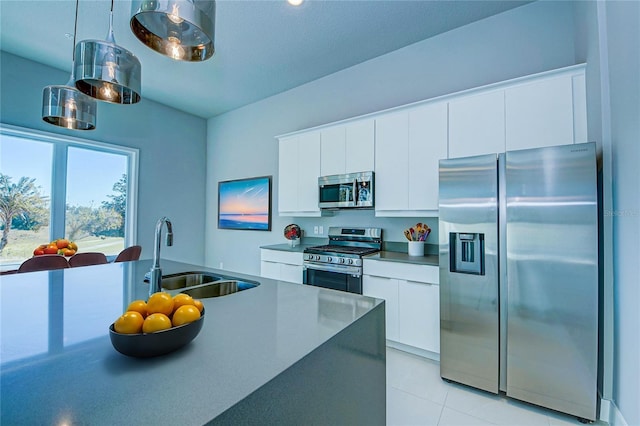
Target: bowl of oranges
point(158, 326)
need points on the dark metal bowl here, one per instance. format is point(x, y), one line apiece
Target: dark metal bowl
point(145, 345)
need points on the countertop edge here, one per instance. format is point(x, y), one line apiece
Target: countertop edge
point(399, 257)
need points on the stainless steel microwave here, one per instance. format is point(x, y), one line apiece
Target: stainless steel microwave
point(352, 190)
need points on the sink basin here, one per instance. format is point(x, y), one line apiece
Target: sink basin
point(187, 279)
point(219, 288)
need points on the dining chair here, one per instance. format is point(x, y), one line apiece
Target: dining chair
point(128, 254)
point(86, 259)
point(43, 263)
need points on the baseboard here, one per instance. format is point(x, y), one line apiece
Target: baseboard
point(609, 413)
point(413, 350)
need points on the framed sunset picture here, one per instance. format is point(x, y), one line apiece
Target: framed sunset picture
point(245, 204)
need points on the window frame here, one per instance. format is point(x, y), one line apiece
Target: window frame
point(61, 144)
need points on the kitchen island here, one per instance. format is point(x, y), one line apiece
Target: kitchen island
point(278, 353)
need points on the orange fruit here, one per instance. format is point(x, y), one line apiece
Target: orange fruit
point(62, 243)
point(198, 304)
point(181, 299)
point(160, 302)
point(51, 249)
point(129, 323)
point(138, 306)
point(185, 314)
point(156, 322)
point(68, 252)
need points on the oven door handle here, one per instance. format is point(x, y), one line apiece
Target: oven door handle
point(351, 270)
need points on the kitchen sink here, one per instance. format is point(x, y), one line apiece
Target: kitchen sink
point(187, 279)
point(219, 288)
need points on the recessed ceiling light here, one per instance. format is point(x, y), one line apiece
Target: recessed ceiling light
point(295, 2)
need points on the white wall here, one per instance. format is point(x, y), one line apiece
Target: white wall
point(171, 143)
point(623, 46)
point(526, 40)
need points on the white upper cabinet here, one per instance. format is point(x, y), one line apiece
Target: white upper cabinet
point(298, 172)
point(288, 174)
point(392, 162)
point(427, 146)
point(409, 145)
point(476, 124)
point(360, 149)
point(579, 108)
point(539, 113)
point(403, 146)
point(347, 148)
point(332, 151)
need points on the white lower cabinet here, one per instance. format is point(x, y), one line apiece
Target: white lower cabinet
point(387, 289)
point(281, 265)
point(420, 315)
point(412, 301)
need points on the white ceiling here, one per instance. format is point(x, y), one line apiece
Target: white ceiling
point(262, 47)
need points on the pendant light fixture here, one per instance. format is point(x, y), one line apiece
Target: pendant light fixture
point(106, 71)
point(65, 106)
point(180, 29)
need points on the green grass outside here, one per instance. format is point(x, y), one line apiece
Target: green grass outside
point(22, 243)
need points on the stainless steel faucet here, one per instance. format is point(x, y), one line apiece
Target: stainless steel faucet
point(155, 274)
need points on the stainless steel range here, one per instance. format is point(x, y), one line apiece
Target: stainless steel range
point(338, 265)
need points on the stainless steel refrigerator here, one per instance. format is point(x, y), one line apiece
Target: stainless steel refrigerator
point(519, 275)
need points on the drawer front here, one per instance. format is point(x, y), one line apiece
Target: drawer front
point(291, 258)
point(403, 271)
point(291, 273)
point(270, 270)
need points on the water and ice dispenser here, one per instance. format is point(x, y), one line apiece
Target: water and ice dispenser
point(467, 252)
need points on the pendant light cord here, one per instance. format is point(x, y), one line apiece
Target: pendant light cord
point(110, 37)
point(75, 30)
point(72, 82)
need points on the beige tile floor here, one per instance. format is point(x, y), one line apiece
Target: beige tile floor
point(416, 395)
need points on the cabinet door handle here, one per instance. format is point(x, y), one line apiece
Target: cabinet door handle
point(420, 282)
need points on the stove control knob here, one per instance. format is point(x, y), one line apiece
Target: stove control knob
point(318, 257)
point(329, 260)
point(350, 261)
point(342, 260)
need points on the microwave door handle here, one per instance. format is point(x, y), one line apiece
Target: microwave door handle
point(356, 197)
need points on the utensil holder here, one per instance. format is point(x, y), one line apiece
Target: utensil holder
point(416, 248)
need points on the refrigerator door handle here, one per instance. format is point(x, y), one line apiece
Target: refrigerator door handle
point(502, 269)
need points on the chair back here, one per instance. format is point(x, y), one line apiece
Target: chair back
point(44, 262)
point(86, 259)
point(128, 254)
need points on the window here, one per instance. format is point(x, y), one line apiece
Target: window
point(56, 186)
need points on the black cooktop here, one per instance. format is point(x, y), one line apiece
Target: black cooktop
point(360, 251)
